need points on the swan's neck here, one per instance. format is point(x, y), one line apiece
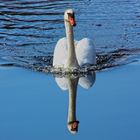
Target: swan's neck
point(72, 86)
point(71, 60)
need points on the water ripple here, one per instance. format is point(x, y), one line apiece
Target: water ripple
point(32, 28)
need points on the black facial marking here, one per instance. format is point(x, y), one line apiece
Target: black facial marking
point(72, 15)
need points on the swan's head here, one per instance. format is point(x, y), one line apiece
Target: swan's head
point(70, 17)
point(73, 127)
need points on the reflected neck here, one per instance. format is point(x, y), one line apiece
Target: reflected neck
point(72, 87)
point(72, 60)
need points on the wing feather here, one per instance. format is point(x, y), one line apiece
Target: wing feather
point(85, 52)
point(60, 53)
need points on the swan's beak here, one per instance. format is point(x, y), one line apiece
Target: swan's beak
point(73, 127)
point(72, 21)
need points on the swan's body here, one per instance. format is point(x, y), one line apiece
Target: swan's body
point(84, 50)
point(70, 53)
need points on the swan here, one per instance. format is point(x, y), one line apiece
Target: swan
point(69, 53)
point(70, 83)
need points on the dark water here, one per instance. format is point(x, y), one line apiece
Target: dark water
point(30, 29)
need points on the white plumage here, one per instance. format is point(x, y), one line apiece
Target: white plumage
point(85, 54)
point(84, 49)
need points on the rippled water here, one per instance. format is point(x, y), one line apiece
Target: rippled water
point(30, 29)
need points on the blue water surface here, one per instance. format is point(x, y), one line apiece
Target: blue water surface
point(32, 106)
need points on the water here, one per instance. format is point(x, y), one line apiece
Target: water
point(33, 106)
point(30, 29)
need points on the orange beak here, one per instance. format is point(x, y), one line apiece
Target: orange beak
point(75, 125)
point(72, 21)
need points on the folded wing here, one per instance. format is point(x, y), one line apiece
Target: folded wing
point(85, 52)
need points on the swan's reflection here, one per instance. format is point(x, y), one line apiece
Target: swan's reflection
point(70, 83)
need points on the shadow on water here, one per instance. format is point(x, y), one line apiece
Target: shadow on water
point(70, 83)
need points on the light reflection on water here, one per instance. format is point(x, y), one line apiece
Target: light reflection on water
point(70, 83)
point(35, 107)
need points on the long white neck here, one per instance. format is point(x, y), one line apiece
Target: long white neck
point(71, 60)
point(72, 87)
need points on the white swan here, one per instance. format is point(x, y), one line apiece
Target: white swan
point(69, 53)
point(70, 83)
